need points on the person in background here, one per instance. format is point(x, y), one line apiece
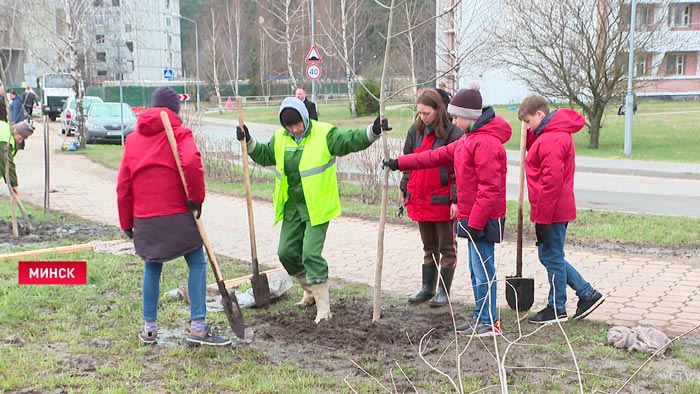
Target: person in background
point(480, 164)
point(310, 105)
point(10, 137)
point(443, 86)
point(550, 166)
point(306, 196)
point(16, 108)
point(29, 98)
point(157, 214)
point(430, 196)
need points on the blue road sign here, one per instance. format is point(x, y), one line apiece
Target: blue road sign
point(168, 73)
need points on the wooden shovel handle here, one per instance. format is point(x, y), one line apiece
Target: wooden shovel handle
point(521, 197)
point(248, 194)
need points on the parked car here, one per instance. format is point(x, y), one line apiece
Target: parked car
point(104, 123)
point(70, 117)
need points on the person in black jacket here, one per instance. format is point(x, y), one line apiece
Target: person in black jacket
point(310, 105)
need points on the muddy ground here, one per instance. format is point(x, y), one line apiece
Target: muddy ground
point(351, 342)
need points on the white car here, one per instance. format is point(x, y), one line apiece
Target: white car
point(70, 116)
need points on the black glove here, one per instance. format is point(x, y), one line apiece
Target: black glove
point(195, 208)
point(129, 234)
point(242, 132)
point(393, 164)
point(378, 125)
point(474, 234)
point(543, 233)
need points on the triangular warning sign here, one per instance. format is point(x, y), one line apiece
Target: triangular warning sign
point(313, 56)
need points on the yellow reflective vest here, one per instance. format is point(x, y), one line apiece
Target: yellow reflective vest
point(317, 168)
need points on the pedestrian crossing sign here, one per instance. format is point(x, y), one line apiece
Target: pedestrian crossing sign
point(168, 73)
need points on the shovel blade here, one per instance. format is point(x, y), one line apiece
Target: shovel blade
point(261, 290)
point(520, 293)
point(232, 310)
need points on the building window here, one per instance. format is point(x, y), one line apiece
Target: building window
point(675, 64)
point(642, 18)
point(680, 15)
point(168, 21)
point(99, 19)
point(101, 73)
point(127, 27)
point(115, 3)
point(170, 39)
point(100, 38)
point(167, 4)
point(101, 56)
point(130, 45)
point(640, 66)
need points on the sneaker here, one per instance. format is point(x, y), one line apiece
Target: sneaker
point(587, 305)
point(547, 315)
point(149, 338)
point(471, 322)
point(483, 330)
point(207, 337)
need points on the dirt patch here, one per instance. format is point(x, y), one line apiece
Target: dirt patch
point(51, 232)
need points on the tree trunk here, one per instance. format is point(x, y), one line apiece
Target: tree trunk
point(595, 120)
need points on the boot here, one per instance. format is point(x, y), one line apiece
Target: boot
point(323, 302)
point(440, 298)
point(427, 291)
point(308, 298)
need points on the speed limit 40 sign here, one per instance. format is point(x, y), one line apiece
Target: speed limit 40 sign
point(313, 71)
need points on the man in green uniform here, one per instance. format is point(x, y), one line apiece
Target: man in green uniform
point(306, 196)
point(10, 138)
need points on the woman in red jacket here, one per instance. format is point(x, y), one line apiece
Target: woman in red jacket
point(155, 211)
point(430, 197)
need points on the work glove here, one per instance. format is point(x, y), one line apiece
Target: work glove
point(242, 133)
point(543, 233)
point(195, 208)
point(378, 126)
point(474, 234)
point(393, 164)
point(129, 234)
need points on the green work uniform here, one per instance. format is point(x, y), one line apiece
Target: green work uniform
point(306, 169)
point(8, 147)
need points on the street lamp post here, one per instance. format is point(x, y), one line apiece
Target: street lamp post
point(196, 50)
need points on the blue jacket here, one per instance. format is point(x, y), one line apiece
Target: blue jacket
point(16, 110)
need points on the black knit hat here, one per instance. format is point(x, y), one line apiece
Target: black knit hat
point(289, 117)
point(466, 103)
point(166, 97)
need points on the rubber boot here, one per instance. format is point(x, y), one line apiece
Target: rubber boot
point(440, 298)
point(308, 298)
point(323, 302)
point(427, 290)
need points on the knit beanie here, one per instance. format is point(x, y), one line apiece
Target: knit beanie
point(289, 117)
point(166, 97)
point(466, 103)
point(23, 129)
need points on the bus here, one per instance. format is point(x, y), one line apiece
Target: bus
point(56, 88)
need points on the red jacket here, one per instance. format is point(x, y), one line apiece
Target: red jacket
point(149, 184)
point(480, 165)
point(550, 167)
point(430, 192)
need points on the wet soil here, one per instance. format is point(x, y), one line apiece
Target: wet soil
point(64, 229)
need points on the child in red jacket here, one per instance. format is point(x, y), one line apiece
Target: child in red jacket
point(550, 167)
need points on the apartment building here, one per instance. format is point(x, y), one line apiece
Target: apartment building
point(136, 39)
point(670, 67)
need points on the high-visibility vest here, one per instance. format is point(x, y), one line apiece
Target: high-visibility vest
point(7, 137)
point(317, 168)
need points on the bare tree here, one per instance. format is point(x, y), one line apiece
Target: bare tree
point(286, 28)
point(232, 28)
point(213, 49)
point(571, 52)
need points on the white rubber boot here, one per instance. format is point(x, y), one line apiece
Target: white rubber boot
point(308, 298)
point(323, 302)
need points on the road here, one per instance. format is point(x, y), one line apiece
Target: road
point(594, 190)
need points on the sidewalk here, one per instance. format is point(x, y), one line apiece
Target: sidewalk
point(638, 289)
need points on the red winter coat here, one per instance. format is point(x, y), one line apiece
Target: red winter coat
point(430, 192)
point(480, 165)
point(149, 184)
point(550, 167)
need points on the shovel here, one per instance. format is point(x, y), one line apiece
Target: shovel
point(520, 292)
point(231, 308)
point(261, 288)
